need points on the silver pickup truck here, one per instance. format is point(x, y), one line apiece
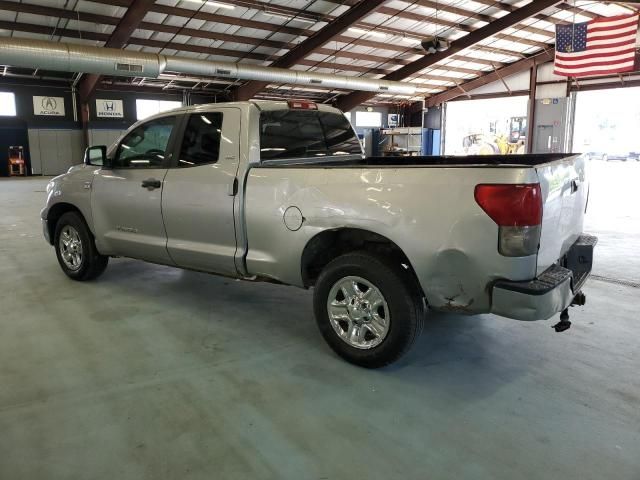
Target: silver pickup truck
point(281, 192)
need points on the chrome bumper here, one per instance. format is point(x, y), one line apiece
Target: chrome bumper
point(550, 293)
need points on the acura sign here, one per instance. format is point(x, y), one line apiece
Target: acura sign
point(48, 106)
point(109, 108)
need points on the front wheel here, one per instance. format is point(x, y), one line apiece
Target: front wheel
point(368, 310)
point(76, 250)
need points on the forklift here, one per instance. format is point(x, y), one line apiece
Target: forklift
point(496, 142)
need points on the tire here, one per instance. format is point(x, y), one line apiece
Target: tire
point(76, 249)
point(398, 319)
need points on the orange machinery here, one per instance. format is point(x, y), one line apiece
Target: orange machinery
point(17, 165)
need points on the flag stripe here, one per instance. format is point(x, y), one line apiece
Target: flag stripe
point(608, 22)
point(628, 67)
point(595, 63)
point(595, 67)
point(601, 52)
point(612, 59)
point(615, 18)
point(597, 32)
point(625, 38)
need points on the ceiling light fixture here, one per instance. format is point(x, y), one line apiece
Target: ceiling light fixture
point(288, 17)
point(410, 40)
point(214, 4)
point(367, 32)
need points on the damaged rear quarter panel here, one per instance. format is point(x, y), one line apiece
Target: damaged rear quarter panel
point(429, 212)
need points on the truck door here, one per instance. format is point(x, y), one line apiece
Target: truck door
point(126, 199)
point(199, 192)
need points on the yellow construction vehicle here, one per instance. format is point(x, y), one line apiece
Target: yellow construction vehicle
point(510, 143)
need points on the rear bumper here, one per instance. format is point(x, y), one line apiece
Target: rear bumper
point(552, 291)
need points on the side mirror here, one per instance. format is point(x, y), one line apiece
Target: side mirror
point(97, 156)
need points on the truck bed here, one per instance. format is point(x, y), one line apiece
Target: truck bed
point(529, 160)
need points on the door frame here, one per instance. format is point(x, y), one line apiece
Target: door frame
point(174, 165)
point(178, 128)
point(164, 167)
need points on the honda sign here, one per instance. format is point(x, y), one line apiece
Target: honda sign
point(109, 108)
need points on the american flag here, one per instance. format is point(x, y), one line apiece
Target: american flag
point(599, 47)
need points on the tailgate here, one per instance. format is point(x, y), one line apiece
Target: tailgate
point(565, 190)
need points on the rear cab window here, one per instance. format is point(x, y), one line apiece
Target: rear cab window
point(201, 140)
point(309, 134)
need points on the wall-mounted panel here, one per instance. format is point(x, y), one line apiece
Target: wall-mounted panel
point(57, 150)
point(34, 148)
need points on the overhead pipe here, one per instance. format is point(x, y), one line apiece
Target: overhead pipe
point(70, 57)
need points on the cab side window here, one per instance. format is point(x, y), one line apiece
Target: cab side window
point(201, 142)
point(145, 146)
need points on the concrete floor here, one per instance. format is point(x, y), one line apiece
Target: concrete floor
point(153, 373)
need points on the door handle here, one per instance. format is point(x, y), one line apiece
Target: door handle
point(233, 188)
point(151, 183)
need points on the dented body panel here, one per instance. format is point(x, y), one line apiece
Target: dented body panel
point(429, 212)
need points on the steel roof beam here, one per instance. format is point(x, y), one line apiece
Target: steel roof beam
point(350, 101)
point(511, 69)
point(259, 25)
point(315, 41)
point(119, 37)
point(144, 42)
point(156, 27)
point(103, 37)
point(456, 11)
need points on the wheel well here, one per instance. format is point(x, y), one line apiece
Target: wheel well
point(330, 244)
point(54, 214)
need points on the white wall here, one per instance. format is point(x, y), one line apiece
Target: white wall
point(104, 137)
point(519, 81)
point(383, 110)
point(54, 151)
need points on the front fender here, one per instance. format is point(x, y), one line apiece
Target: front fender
point(71, 190)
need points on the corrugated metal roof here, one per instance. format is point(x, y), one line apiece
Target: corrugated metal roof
point(259, 32)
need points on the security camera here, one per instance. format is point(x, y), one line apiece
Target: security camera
point(432, 45)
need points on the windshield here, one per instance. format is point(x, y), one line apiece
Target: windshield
point(306, 133)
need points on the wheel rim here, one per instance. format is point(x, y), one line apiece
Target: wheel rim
point(358, 312)
point(70, 247)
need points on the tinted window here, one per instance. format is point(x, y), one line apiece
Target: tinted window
point(145, 146)
point(305, 133)
point(201, 143)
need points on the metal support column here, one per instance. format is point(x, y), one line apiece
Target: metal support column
point(531, 110)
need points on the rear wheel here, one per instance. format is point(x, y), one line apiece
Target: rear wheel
point(368, 310)
point(76, 249)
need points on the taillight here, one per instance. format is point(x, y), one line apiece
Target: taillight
point(517, 210)
point(302, 105)
point(511, 205)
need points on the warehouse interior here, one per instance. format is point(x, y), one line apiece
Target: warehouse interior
point(151, 371)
